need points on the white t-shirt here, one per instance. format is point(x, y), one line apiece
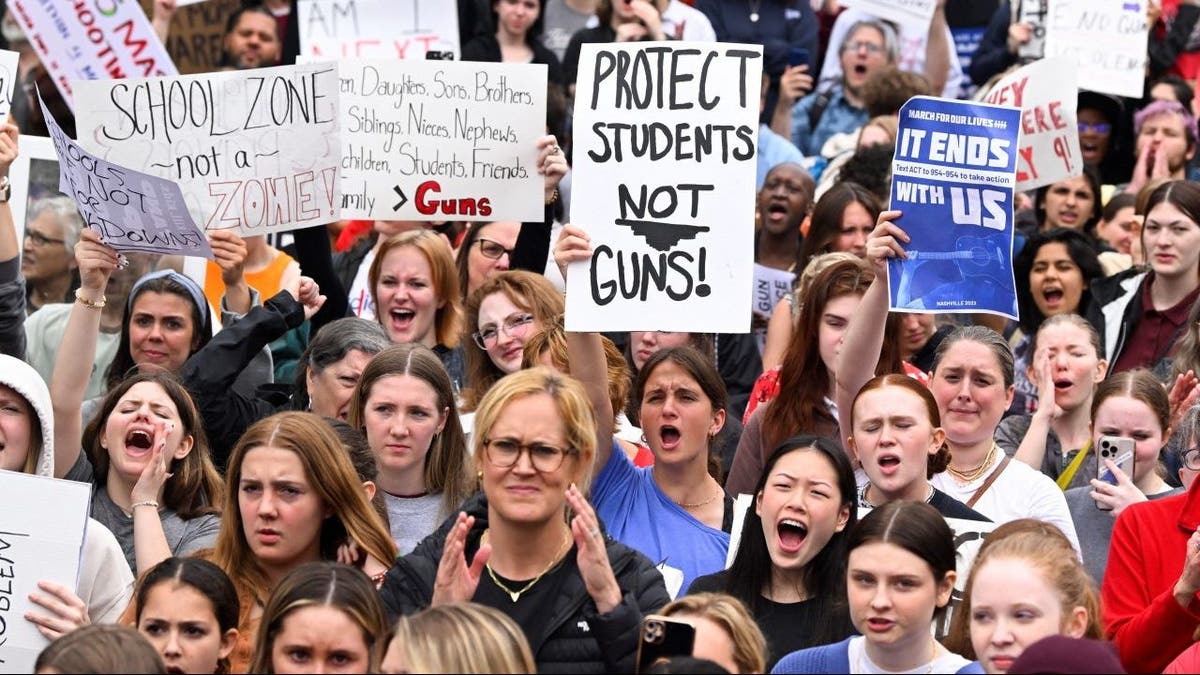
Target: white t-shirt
point(1019, 492)
point(361, 302)
point(944, 662)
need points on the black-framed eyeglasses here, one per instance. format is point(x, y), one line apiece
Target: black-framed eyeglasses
point(492, 249)
point(871, 47)
point(1190, 458)
point(504, 453)
point(40, 239)
point(513, 326)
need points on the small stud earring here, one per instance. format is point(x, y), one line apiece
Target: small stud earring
point(479, 476)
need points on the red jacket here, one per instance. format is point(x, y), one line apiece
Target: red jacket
point(1145, 559)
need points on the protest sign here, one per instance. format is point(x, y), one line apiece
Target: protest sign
point(915, 13)
point(377, 29)
point(1106, 39)
point(130, 210)
point(665, 143)
point(1033, 12)
point(42, 525)
point(196, 41)
point(254, 150)
point(34, 177)
point(8, 80)
point(1046, 94)
point(953, 177)
point(770, 286)
point(91, 40)
point(442, 140)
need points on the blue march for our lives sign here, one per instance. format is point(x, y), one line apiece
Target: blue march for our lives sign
point(953, 178)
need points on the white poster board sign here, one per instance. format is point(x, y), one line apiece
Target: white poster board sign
point(665, 142)
point(442, 140)
point(254, 150)
point(130, 210)
point(42, 525)
point(1046, 93)
point(770, 286)
point(1106, 39)
point(8, 80)
point(915, 13)
point(92, 40)
point(377, 29)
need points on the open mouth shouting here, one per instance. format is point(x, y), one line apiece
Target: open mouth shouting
point(792, 533)
point(1053, 296)
point(889, 463)
point(401, 319)
point(139, 441)
point(670, 437)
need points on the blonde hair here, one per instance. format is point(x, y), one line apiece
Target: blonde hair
point(462, 637)
point(553, 340)
point(1048, 552)
point(322, 584)
point(448, 321)
point(570, 402)
point(328, 470)
point(749, 645)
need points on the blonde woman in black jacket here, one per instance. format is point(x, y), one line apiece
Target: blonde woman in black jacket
point(531, 545)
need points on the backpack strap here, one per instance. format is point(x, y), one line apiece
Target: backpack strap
point(818, 109)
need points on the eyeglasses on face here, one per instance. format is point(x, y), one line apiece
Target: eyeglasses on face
point(492, 249)
point(513, 326)
point(504, 453)
point(1190, 458)
point(871, 47)
point(40, 239)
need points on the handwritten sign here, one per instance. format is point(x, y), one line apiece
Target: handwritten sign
point(770, 286)
point(1105, 38)
point(42, 525)
point(915, 13)
point(953, 178)
point(665, 144)
point(377, 29)
point(254, 150)
point(1045, 92)
point(196, 40)
point(441, 140)
point(92, 40)
point(130, 210)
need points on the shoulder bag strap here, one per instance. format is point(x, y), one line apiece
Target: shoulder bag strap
point(988, 483)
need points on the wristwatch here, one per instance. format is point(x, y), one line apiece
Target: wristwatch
point(5, 189)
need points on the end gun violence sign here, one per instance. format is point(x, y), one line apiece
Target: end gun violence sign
point(442, 140)
point(665, 156)
point(254, 151)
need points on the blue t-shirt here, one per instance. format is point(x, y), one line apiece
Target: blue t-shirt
point(640, 516)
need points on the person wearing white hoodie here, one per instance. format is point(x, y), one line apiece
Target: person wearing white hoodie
point(27, 445)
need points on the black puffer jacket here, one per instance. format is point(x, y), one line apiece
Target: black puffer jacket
point(577, 639)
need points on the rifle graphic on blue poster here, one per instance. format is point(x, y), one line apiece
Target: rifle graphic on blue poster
point(953, 177)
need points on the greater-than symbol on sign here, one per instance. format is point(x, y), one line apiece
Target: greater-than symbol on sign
point(403, 199)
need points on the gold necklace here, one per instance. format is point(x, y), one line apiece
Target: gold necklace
point(697, 505)
point(972, 475)
point(516, 595)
